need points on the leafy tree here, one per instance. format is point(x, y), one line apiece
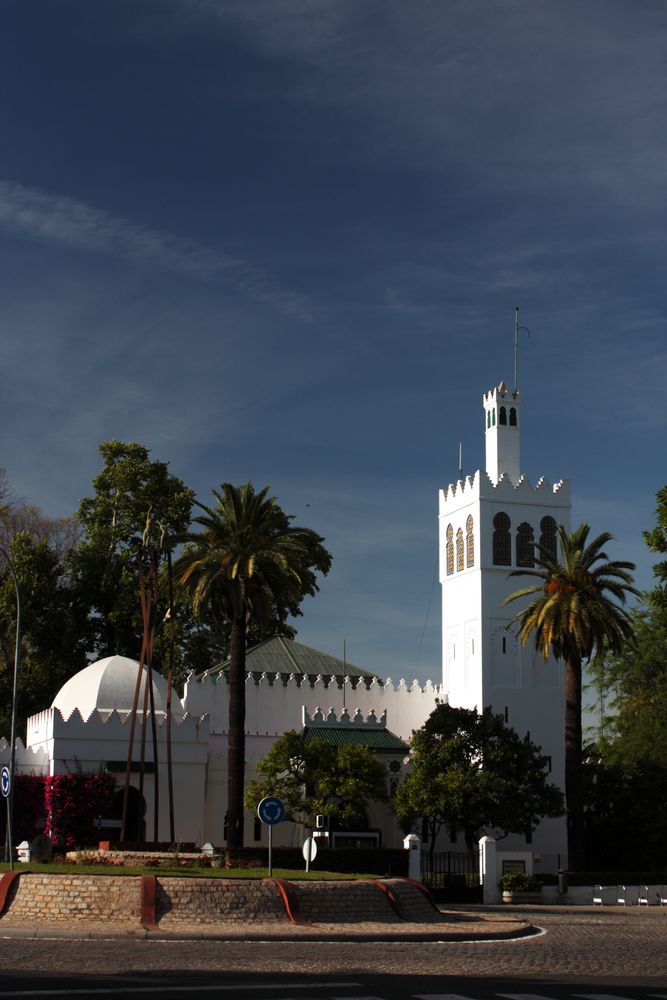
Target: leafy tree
point(248, 563)
point(315, 777)
point(104, 566)
point(574, 615)
point(54, 628)
point(470, 773)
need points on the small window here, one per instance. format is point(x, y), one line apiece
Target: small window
point(525, 545)
point(502, 540)
point(504, 644)
point(470, 541)
point(493, 417)
point(449, 549)
point(488, 418)
point(513, 416)
point(548, 529)
point(257, 831)
point(459, 550)
point(502, 415)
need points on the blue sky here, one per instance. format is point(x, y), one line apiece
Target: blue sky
point(283, 241)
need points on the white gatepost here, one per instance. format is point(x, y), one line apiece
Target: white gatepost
point(412, 843)
point(488, 869)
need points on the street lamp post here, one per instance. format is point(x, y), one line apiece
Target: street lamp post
point(9, 849)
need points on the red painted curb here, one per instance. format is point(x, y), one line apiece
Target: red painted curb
point(290, 899)
point(389, 895)
point(148, 899)
point(422, 888)
point(6, 883)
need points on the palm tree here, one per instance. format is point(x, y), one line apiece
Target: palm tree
point(249, 563)
point(575, 616)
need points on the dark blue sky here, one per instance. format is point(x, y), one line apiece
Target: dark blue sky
point(283, 241)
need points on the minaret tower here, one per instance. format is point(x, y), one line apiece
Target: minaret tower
point(488, 524)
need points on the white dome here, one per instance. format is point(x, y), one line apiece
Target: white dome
point(109, 684)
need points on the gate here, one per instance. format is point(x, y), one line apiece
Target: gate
point(452, 876)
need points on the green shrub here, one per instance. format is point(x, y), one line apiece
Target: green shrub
point(520, 882)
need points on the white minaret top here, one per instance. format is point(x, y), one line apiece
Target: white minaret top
point(502, 420)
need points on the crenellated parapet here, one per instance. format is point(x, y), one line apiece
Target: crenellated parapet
point(52, 724)
point(28, 760)
point(343, 719)
point(275, 702)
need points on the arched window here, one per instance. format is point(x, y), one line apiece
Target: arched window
point(512, 416)
point(525, 547)
point(502, 415)
point(459, 550)
point(493, 417)
point(488, 418)
point(450, 550)
point(548, 530)
point(470, 541)
point(502, 541)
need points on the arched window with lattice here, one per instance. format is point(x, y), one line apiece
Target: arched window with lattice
point(502, 415)
point(449, 550)
point(548, 529)
point(525, 545)
point(502, 540)
point(470, 541)
point(459, 550)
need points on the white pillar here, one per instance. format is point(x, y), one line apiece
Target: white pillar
point(412, 843)
point(489, 870)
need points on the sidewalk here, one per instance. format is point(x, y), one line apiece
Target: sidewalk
point(454, 927)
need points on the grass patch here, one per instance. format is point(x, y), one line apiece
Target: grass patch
point(175, 871)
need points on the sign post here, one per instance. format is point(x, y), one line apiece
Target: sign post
point(271, 811)
point(309, 851)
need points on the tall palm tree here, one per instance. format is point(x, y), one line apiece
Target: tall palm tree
point(575, 616)
point(249, 562)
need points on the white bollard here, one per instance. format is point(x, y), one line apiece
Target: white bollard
point(412, 843)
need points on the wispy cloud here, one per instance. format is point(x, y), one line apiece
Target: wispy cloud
point(48, 218)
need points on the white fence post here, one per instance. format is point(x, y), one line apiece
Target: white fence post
point(412, 843)
point(488, 868)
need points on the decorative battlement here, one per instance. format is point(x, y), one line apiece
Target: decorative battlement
point(500, 392)
point(343, 720)
point(481, 486)
point(51, 724)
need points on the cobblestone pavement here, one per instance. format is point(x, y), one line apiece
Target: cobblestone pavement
point(612, 945)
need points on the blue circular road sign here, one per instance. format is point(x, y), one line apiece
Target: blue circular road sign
point(5, 783)
point(271, 810)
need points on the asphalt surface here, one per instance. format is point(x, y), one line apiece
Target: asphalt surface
point(611, 952)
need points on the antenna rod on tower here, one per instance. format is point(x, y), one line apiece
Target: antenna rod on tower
point(460, 459)
point(516, 348)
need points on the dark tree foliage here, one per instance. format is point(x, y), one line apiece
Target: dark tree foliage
point(471, 773)
point(104, 566)
point(248, 563)
point(315, 777)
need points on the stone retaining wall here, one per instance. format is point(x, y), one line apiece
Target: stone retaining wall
point(35, 899)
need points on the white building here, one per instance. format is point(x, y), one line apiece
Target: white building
point(487, 523)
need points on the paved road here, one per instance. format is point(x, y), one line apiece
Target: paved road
point(615, 953)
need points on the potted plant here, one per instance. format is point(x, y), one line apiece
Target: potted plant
point(518, 887)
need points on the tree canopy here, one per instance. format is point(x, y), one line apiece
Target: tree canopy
point(315, 777)
point(248, 563)
point(576, 612)
point(471, 773)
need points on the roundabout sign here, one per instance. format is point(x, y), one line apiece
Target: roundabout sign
point(5, 782)
point(271, 811)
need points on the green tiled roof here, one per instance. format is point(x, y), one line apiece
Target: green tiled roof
point(279, 655)
point(379, 739)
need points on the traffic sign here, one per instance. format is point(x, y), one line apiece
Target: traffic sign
point(5, 783)
point(271, 810)
point(309, 850)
